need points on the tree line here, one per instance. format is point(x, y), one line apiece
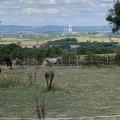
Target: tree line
point(56, 49)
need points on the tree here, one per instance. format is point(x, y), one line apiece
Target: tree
point(54, 51)
point(41, 54)
point(113, 16)
point(11, 50)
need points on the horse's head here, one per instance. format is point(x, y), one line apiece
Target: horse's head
point(46, 59)
point(59, 58)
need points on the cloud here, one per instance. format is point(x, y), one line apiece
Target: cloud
point(27, 1)
point(79, 12)
point(2, 12)
point(40, 11)
point(38, 1)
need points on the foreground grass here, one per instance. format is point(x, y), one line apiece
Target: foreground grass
point(78, 92)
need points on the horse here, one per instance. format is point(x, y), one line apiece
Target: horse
point(19, 62)
point(51, 61)
point(9, 62)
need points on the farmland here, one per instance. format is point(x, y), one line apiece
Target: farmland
point(78, 92)
point(43, 39)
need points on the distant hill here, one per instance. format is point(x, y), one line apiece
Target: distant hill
point(13, 29)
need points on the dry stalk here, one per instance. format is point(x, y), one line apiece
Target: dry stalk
point(35, 76)
point(40, 109)
point(32, 76)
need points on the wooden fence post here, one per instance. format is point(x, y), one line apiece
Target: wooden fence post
point(77, 61)
point(69, 61)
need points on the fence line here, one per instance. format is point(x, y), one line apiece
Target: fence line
point(79, 63)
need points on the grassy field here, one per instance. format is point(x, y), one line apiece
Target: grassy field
point(40, 40)
point(79, 92)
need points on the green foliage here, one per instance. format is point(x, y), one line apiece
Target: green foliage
point(15, 51)
point(63, 43)
point(117, 58)
point(67, 56)
point(48, 52)
point(54, 51)
point(57, 48)
point(96, 48)
point(40, 55)
point(113, 16)
point(11, 50)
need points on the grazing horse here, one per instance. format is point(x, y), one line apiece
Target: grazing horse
point(19, 62)
point(51, 61)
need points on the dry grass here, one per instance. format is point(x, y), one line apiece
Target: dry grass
point(41, 40)
point(40, 109)
point(32, 75)
point(79, 92)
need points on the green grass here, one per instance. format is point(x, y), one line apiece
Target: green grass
point(92, 39)
point(79, 92)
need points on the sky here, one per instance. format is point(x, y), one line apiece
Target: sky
point(54, 12)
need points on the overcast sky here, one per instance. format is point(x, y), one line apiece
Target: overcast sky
point(54, 12)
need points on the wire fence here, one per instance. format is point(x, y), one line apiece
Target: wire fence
point(76, 63)
point(90, 63)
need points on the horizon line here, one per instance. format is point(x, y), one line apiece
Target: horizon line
point(54, 25)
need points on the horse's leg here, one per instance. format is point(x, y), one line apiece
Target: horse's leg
point(10, 67)
point(47, 77)
point(47, 82)
point(51, 80)
point(10, 63)
point(7, 64)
